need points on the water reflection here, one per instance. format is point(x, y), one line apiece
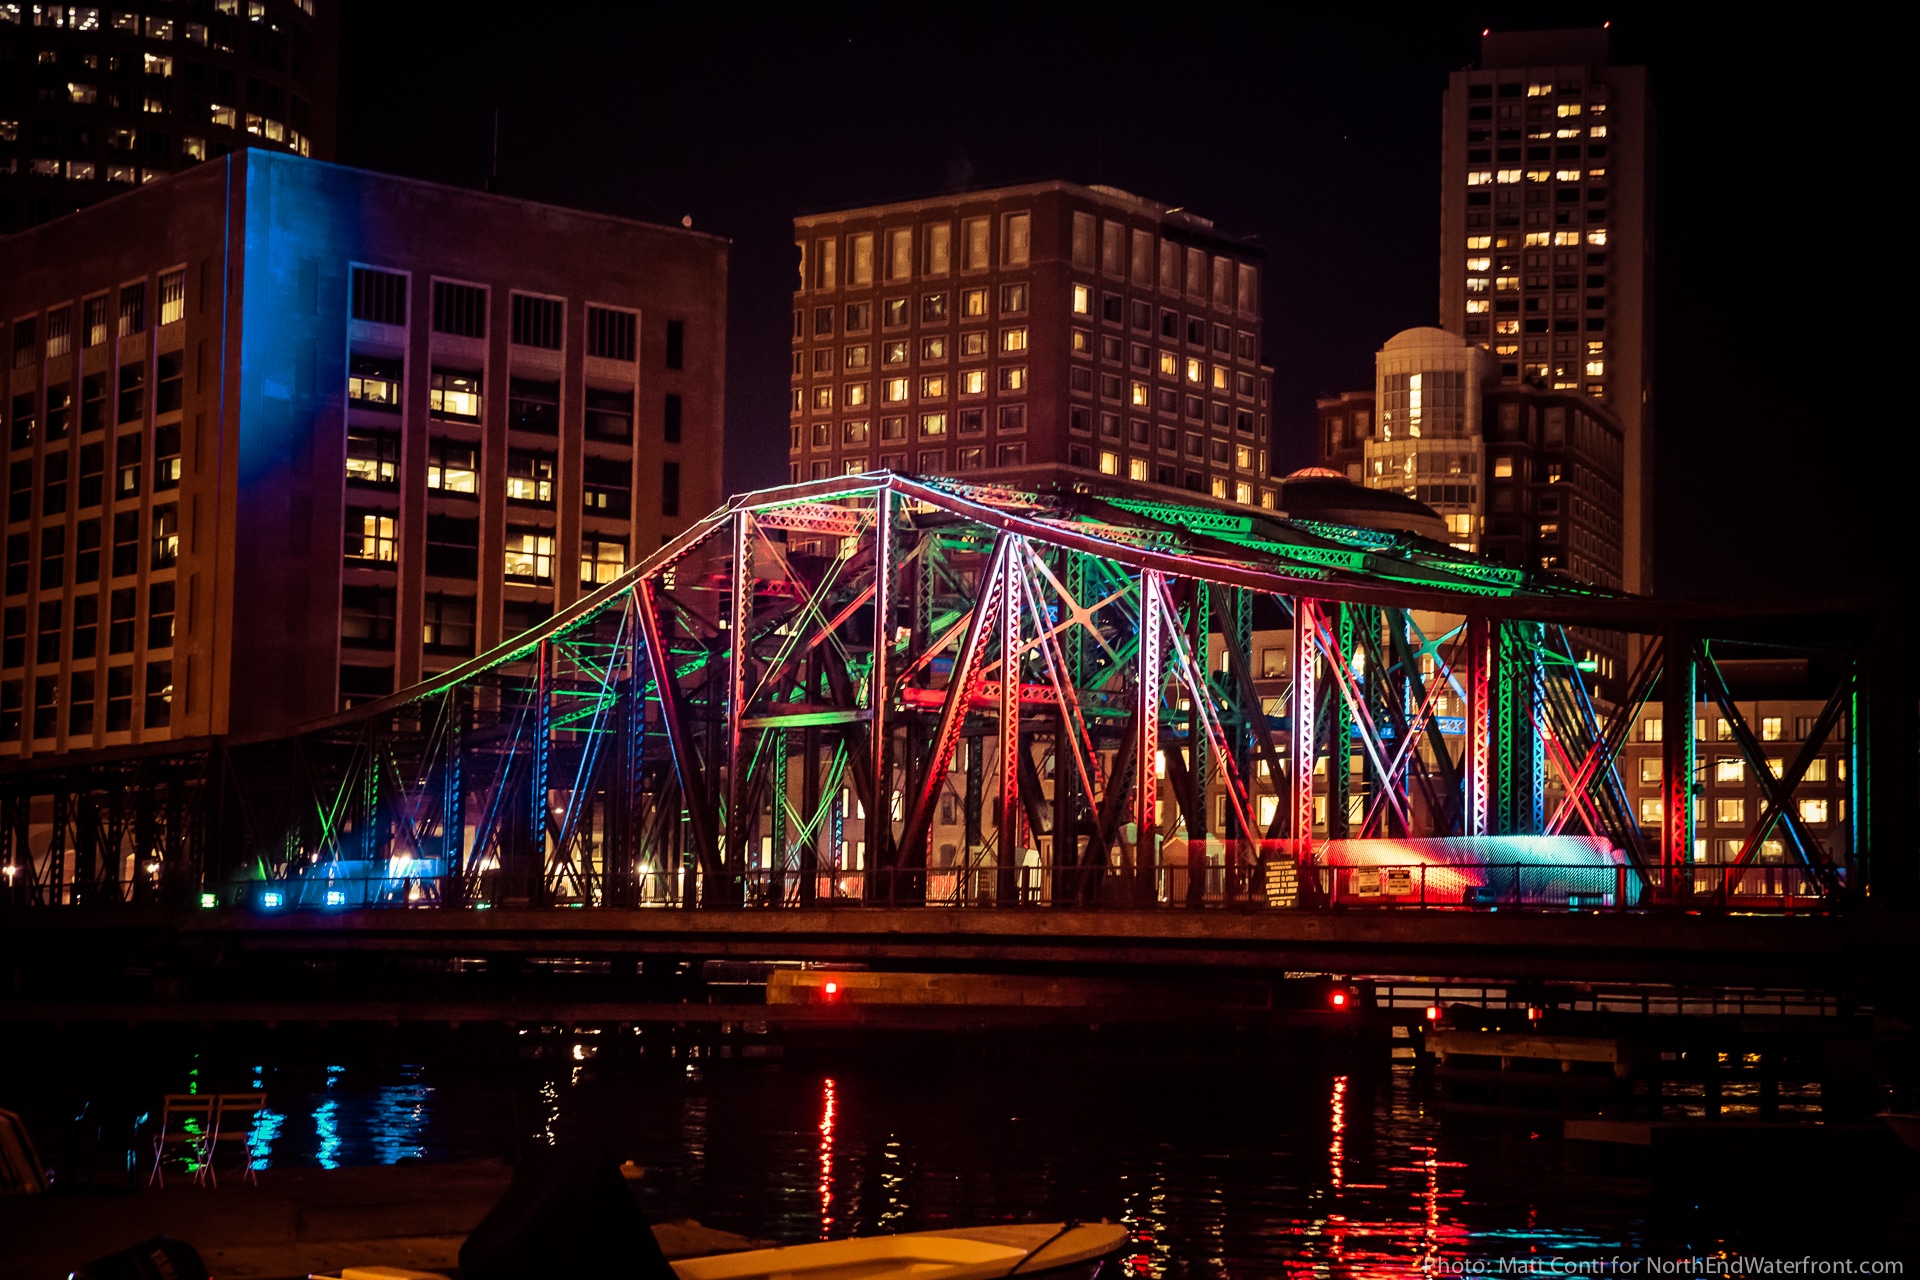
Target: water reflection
point(1264, 1168)
point(399, 1118)
point(826, 1159)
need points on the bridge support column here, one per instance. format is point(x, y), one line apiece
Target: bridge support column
point(1483, 662)
point(1301, 738)
point(1146, 729)
point(1011, 603)
point(1679, 697)
point(879, 834)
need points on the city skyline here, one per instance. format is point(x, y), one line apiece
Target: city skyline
point(1337, 174)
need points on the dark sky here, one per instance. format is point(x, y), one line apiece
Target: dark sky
point(1318, 135)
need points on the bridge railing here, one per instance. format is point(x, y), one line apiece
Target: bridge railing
point(1507, 886)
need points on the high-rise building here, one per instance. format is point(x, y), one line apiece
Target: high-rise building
point(1546, 222)
point(97, 100)
point(283, 435)
point(1526, 474)
point(1044, 326)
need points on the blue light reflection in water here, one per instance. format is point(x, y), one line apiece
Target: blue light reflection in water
point(1220, 1169)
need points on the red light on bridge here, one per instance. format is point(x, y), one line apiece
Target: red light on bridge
point(832, 989)
point(1339, 999)
point(1433, 1013)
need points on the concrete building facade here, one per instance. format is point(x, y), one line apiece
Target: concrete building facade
point(94, 101)
point(285, 435)
point(1050, 325)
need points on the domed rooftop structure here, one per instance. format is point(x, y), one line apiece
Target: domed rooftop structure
point(1315, 493)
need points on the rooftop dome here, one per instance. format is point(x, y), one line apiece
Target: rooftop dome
point(1315, 493)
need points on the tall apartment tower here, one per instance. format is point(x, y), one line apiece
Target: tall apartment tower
point(96, 100)
point(283, 435)
point(1546, 244)
point(1031, 328)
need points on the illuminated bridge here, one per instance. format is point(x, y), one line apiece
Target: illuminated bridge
point(925, 697)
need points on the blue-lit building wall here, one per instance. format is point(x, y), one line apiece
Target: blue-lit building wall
point(259, 355)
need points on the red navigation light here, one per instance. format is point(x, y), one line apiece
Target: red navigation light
point(1433, 1013)
point(1339, 999)
point(832, 989)
point(1533, 1013)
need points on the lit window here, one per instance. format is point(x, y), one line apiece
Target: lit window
point(856, 394)
point(1502, 468)
point(1013, 378)
point(193, 148)
point(933, 424)
point(1509, 175)
point(1596, 368)
point(1772, 729)
point(1597, 237)
point(1651, 769)
point(1730, 811)
point(1479, 242)
point(601, 560)
point(1566, 237)
point(1813, 810)
point(225, 117)
point(158, 64)
point(1540, 90)
point(1196, 371)
point(1136, 468)
point(973, 382)
point(371, 536)
point(1479, 177)
point(1566, 175)
point(1597, 347)
point(1014, 339)
point(823, 397)
point(1538, 175)
point(1652, 811)
point(1109, 463)
point(1729, 769)
point(530, 477)
point(933, 386)
point(1566, 133)
point(81, 92)
point(1567, 110)
point(1477, 306)
point(1137, 394)
point(529, 555)
point(1479, 264)
point(1539, 239)
point(1506, 326)
point(454, 395)
point(1243, 493)
point(1082, 300)
point(1506, 284)
point(1596, 175)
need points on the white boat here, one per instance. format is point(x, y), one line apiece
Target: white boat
point(1055, 1250)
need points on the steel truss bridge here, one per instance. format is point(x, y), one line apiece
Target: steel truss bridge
point(914, 693)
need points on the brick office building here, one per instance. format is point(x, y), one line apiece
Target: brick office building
point(284, 434)
point(1032, 327)
point(94, 101)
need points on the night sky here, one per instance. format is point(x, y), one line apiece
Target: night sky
point(1318, 136)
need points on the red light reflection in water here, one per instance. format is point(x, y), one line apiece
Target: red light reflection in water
point(1337, 1149)
point(826, 1160)
point(1360, 1246)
